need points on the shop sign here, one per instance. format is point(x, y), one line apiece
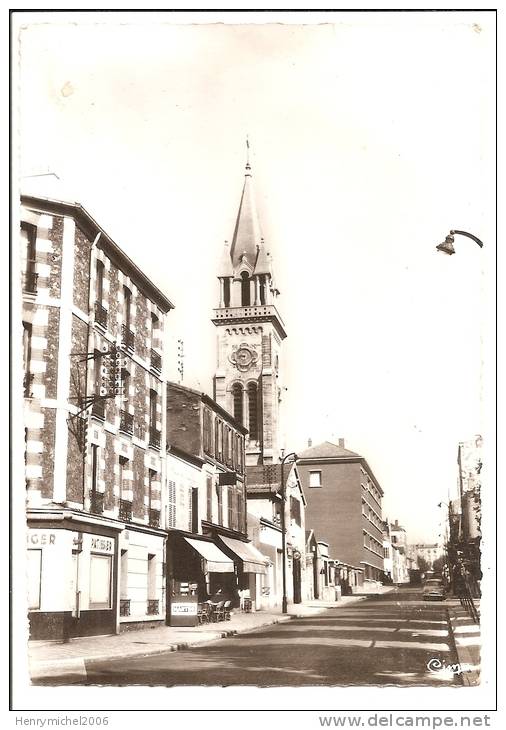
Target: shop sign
point(101, 544)
point(39, 538)
point(183, 609)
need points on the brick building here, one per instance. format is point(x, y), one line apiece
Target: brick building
point(206, 492)
point(94, 465)
point(344, 506)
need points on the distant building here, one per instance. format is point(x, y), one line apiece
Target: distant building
point(387, 551)
point(430, 552)
point(344, 506)
point(400, 561)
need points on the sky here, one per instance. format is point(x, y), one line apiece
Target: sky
point(371, 136)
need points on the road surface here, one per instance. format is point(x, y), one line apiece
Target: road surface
point(389, 639)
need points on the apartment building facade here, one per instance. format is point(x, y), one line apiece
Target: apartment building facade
point(344, 507)
point(94, 459)
point(208, 545)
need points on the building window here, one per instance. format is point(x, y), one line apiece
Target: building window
point(171, 503)
point(127, 307)
point(100, 281)
point(151, 479)
point(100, 581)
point(34, 568)
point(27, 356)
point(155, 324)
point(154, 433)
point(152, 408)
point(295, 510)
point(208, 432)
point(123, 582)
point(230, 507)
point(29, 237)
point(240, 509)
point(226, 292)
point(253, 410)
point(194, 509)
point(151, 577)
point(219, 494)
point(94, 467)
point(245, 290)
point(209, 497)
point(216, 438)
point(237, 397)
point(315, 478)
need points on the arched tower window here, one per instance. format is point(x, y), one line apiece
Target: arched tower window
point(237, 396)
point(262, 289)
point(226, 292)
point(253, 410)
point(245, 290)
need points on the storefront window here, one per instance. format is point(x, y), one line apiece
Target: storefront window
point(34, 568)
point(100, 581)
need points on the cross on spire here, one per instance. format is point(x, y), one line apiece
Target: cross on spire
point(248, 167)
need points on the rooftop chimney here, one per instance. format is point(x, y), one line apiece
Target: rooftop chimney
point(309, 443)
point(341, 443)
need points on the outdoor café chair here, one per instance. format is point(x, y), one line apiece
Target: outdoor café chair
point(203, 613)
point(226, 610)
point(219, 611)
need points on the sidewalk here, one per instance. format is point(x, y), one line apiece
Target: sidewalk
point(52, 658)
point(467, 641)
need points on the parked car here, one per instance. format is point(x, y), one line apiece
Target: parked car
point(433, 590)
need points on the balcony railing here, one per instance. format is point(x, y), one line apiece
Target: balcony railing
point(125, 510)
point(154, 438)
point(98, 408)
point(154, 517)
point(100, 315)
point(124, 607)
point(153, 607)
point(30, 279)
point(127, 337)
point(156, 361)
point(96, 502)
point(126, 422)
point(27, 385)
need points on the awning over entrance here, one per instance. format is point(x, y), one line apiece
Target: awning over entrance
point(217, 562)
point(253, 560)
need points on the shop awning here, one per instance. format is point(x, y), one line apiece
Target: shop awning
point(252, 559)
point(217, 562)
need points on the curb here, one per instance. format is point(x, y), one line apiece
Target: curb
point(58, 667)
point(470, 677)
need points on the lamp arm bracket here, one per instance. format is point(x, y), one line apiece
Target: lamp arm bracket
point(469, 235)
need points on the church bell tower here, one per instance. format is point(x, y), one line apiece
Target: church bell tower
point(247, 382)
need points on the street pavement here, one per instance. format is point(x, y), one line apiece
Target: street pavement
point(391, 639)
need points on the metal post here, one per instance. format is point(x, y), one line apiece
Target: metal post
point(284, 602)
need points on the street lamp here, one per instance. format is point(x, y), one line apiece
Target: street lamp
point(447, 245)
point(294, 457)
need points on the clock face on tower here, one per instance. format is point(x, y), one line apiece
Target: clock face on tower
point(243, 357)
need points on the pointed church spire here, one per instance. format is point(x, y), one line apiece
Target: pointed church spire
point(247, 239)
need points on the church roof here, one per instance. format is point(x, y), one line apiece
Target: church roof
point(247, 234)
point(326, 450)
point(247, 245)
